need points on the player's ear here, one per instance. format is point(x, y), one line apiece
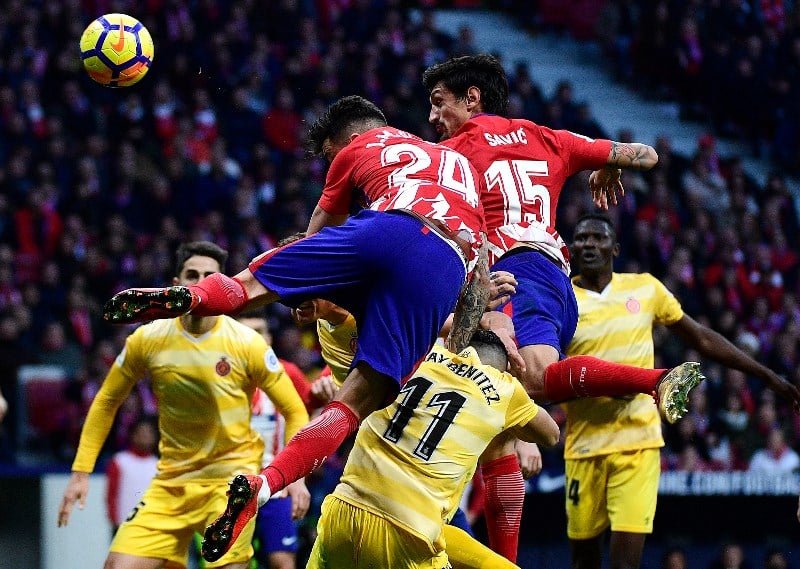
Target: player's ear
point(175, 280)
point(473, 98)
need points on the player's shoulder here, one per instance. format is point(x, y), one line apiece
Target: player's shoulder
point(633, 279)
point(156, 329)
point(235, 329)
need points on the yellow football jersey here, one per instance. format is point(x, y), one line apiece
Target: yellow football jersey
point(204, 387)
point(338, 343)
point(410, 460)
point(617, 325)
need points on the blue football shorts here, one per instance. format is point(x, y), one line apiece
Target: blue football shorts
point(397, 277)
point(275, 529)
point(459, 520)
point(544, 309)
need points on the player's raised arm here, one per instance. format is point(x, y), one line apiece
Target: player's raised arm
point(606, 182)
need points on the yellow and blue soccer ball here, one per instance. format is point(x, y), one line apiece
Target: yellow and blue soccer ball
point(116, 50)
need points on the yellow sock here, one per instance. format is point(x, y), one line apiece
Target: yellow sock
point(466, 552)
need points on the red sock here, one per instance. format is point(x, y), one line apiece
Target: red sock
point(219, 294)
point(587, 376)
point(311, 446)
point(505, 492)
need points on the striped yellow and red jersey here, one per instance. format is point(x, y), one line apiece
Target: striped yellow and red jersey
point(617, 325)
point(204, 387)
point(411, 460)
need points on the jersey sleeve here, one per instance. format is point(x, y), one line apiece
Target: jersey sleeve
point(276, 383)
point(521, 408)
point(337, 194)
point(584, 153)
point(667, 310)
point(128, 368)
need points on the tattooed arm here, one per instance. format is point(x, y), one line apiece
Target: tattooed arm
point(605, 183)
point(471, 304)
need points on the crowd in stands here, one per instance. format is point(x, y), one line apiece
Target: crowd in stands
point(733, 64)
point(98, 186)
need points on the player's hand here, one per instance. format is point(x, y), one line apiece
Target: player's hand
point(501, 324)
point(304, 314)
point(502, 285)
point(76, 491)
point(529, 457)
point(324, 389)
point(604, 185)
point(787, 390)
point(515, 361)
point(301, 498)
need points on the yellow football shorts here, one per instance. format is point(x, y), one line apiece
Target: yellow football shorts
point(352, 538)
point(618, 489)
point(164, 522)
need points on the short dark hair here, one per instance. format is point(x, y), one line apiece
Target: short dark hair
point(351, 112)
point(483, 71)
point(202, 248)
point(598, 216)
point(487, 341)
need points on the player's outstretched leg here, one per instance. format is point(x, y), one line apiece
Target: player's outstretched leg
point(244, 500)
point(673, 390)
point(143, 304)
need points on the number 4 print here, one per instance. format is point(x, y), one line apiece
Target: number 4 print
point(449, 403)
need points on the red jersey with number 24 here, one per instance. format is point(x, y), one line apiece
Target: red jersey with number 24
point(524, 167)
point(388, 169)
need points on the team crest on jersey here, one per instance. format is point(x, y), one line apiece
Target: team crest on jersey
point(223, 367)
point(633, 305)
point(353, 344)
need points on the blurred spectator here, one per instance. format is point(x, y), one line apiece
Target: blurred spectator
point(58, 350)
point(674, 558)
point(777, 456)
point(730, 557)
point(776, 559)
point(130, 471)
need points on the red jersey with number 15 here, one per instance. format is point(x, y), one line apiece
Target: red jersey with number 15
point(524, 167)
point(388, 169)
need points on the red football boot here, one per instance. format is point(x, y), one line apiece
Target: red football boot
point(243, 504)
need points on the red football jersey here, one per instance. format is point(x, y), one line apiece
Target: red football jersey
point(524, 167)
point(389, 169)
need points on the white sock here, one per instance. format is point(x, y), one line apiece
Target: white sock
point(264, 493)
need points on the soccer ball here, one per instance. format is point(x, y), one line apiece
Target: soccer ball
point(116, 50)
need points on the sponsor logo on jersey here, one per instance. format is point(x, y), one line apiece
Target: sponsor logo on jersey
point(514, 137)
point(223, 367)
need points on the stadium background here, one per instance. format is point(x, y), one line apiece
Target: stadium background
point(99, 186)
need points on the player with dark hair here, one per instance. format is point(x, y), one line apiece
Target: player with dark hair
point(424, 447)
point(398, 266)
point(523, 167)
point(204, 371)
point(612, 444)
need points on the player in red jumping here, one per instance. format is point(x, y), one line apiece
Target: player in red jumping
point(398, 266)
point(523, 167)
